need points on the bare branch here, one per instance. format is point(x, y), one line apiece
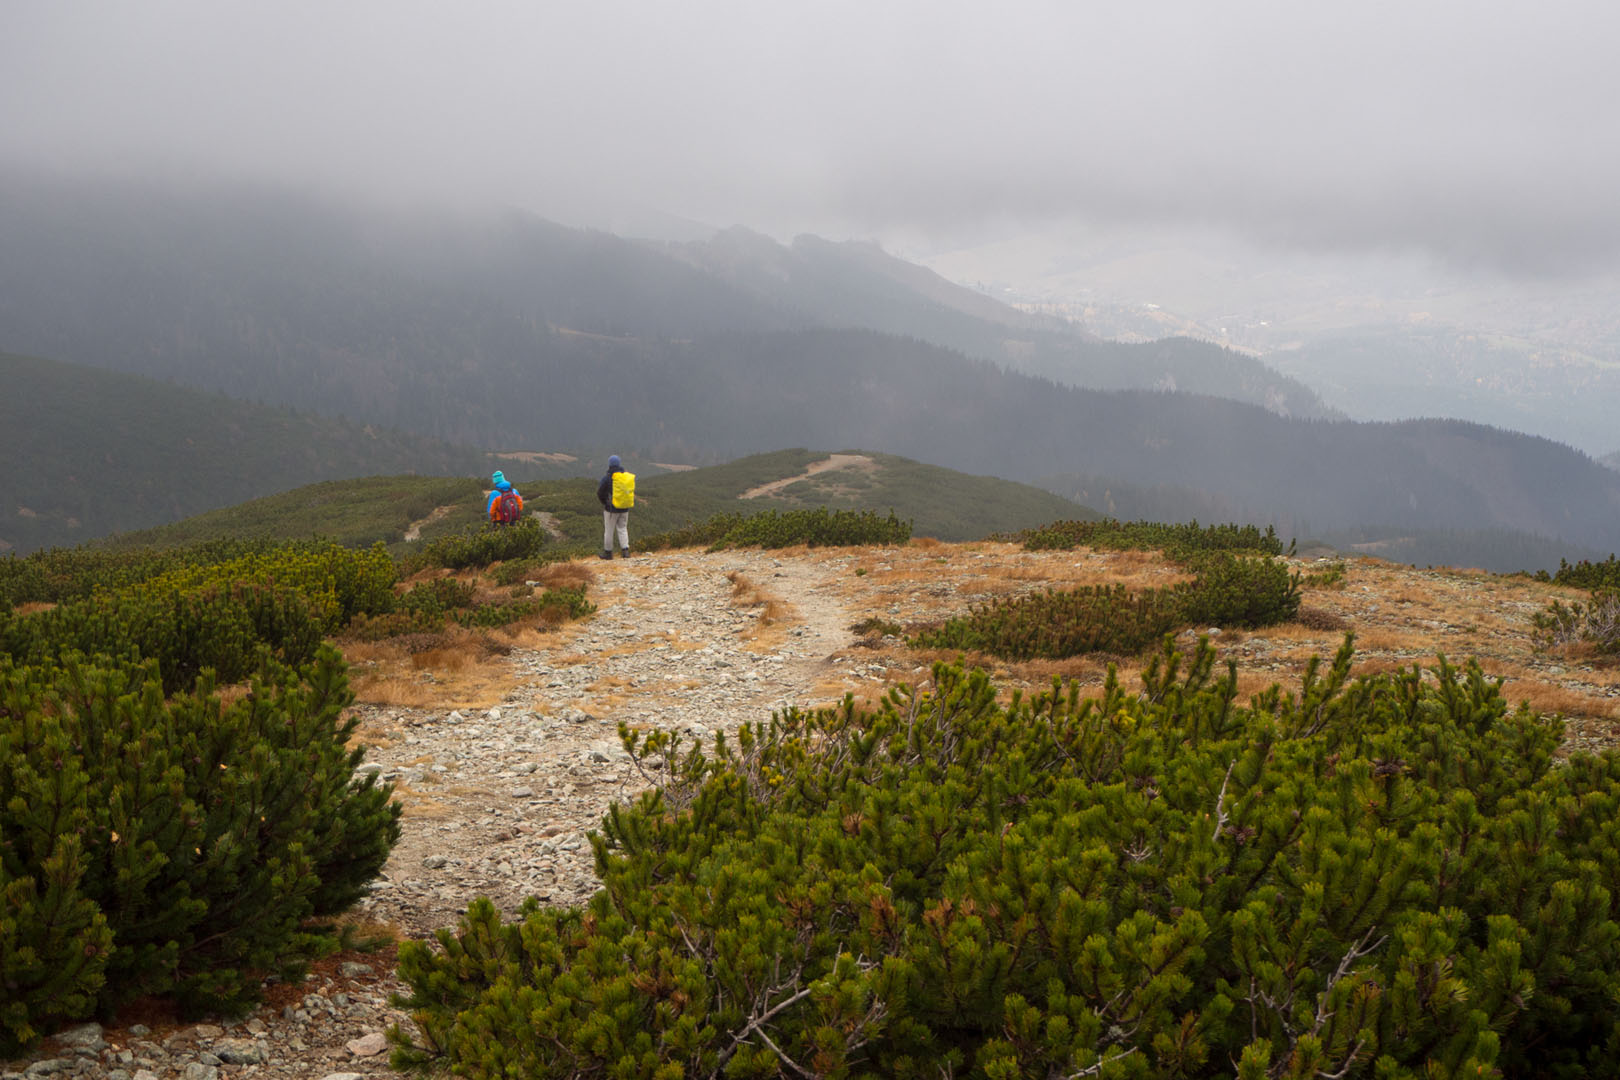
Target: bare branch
point(789, 1062)
point(1220, 808)
point(1101, 1064)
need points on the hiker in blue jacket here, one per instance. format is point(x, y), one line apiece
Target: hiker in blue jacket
point(617, 494)
point(493, 506)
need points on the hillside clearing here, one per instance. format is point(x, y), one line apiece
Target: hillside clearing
point(832, 462)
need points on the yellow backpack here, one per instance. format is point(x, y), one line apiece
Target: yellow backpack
point(624, 490)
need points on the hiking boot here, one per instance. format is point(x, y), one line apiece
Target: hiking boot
point(608, 554)
point(625, 554)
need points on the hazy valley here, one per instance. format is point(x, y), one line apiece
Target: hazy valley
point(491, 334)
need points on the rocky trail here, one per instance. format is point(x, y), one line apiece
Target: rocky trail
point(498, 800)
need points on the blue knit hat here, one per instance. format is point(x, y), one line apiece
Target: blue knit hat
point(498, 479)
point(613, 461)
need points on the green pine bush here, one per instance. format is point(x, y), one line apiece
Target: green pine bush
point(1586, 574)
point(1180, 541)
point(214, 615)
point(172, 844)
point(1387, 876)
point(818, 527)
point(479, 547)
point(60, 574)
point(1230, 591)
point(1595, 623)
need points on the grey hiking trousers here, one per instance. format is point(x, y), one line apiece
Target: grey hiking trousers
point(615, 521)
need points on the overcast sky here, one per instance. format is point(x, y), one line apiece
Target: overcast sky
point(1482, 133)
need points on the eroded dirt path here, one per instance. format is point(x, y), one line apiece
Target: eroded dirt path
point(414, 531)
point(831, 462)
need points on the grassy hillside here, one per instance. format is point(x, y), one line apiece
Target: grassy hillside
point(89, 452)
point(940, 502)
point(352, 512)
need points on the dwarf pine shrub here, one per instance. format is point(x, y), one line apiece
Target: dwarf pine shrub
point(1230, 591)
point(479, 547)
point(60, 574)
point(707, 533)
point(1177, 540)
point(1587, 575)
point(819, 527)
point(1059, 623)
point(1384, 876)
point(1595, 623)
point(215, 616)
point(172, 845)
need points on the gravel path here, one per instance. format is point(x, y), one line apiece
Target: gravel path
point(499, 801)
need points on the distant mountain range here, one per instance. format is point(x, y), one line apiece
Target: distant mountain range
point(1391, 372)
point(271, 297)
point(517, 333)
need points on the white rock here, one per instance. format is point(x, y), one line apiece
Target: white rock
point(368, 1045)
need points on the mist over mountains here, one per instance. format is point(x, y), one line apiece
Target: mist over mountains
point(514, 332)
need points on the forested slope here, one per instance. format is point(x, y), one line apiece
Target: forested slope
point(89, 452)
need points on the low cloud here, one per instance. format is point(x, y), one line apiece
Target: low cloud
point(1480, 134)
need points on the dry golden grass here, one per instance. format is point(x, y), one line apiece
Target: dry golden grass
point(1380, 639)
point(566, 575)
point(608, 683)
point(395, 691)
point(423, 807)
point(772, 609)
point(461, 669)
point(1556, 699)
point(33, 607)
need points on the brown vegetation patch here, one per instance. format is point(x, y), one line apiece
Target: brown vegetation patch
point(609, 682)
point(1322, 621)
point(33, 607)
point(1557, 700)
point(459, 669)
point(566, 575)
point(748, 594)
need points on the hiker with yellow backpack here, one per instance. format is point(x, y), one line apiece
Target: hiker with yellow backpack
point(617, 494)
